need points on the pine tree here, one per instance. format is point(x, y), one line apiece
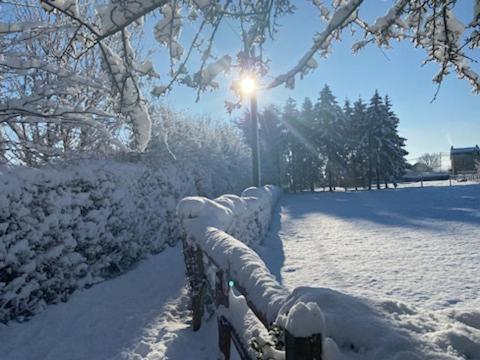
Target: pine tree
point(290, 119)
point(376, 117)
point(273, 145)
point(312, 163)
point(396, 153)
point(329, 129)
point(355, 125)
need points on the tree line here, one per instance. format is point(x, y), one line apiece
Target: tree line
point(322, 144)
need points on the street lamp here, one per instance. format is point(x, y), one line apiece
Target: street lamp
point(248, 87)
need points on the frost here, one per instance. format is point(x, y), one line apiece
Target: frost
point(214, 69)
point(131, 101)
point(159, 90)
point(68, 6)
point(168, 30)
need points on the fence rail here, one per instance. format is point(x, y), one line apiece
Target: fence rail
point(247, 297)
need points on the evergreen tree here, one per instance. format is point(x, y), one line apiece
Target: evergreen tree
point(273, 140)
point(355, 125)
point(329, 130)
point(294, 153)
point(350, 146)
point(313, 162)
point(376, 118)
point(396, 152)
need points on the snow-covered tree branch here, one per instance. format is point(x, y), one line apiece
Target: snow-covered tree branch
point(86, 58)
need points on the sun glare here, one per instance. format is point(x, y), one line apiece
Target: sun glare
point(248, 85)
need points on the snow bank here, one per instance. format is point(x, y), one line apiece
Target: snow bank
point(65, 229)
point(387, 329)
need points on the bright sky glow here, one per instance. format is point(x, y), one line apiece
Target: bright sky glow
point(248, 85)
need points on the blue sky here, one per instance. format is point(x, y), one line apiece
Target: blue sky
point(453, 119)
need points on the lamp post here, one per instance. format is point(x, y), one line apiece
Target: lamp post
point(249, 87)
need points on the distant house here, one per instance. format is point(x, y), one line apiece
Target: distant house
point(464, 160)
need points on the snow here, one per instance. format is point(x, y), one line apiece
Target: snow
point(387, 275)
point(63, 228)
point(249, 271)
point(397, 270)
point(305, 320)
point(243, 321)
point(139, 315)
point(224, 228)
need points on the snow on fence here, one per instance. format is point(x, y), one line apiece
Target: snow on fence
point(216, 248)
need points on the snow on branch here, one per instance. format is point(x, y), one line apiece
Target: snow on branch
point(341, 18)
point(131, 101)
point(19, 62)
point(117, 15)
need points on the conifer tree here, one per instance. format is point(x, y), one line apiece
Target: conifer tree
point(273, 140)
point(290, 119)
point(329, 131)
point(357, 146)
point(376, 117)
point(312, 163)
point(396, 143)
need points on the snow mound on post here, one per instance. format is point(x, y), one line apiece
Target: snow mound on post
point(305, 320)
point(386, 329)
point(199, 212)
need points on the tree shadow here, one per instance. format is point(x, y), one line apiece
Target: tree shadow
point(271, 251)
point(429, 208)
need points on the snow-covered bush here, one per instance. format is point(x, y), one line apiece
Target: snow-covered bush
point(65, 228)
point(213, 147)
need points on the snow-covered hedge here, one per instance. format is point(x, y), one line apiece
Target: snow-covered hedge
point(62, 229)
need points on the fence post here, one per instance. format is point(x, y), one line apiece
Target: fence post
point(298, 348)
point(195, 274)
point(221, 299)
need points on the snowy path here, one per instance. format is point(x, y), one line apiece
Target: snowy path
point(141, 314)
point(421, 246)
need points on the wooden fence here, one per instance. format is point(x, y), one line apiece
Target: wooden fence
point(241, 275)
point(197, 260)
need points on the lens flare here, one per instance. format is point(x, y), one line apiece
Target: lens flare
point(248, 85)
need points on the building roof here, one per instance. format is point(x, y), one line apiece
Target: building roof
point(464, 150)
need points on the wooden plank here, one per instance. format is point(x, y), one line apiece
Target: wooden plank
point(297, 348)
point(221, 299)
point(193, 257)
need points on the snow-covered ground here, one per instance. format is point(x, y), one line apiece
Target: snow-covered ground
point(421, 245)
point(141, 314)
point(397, 270)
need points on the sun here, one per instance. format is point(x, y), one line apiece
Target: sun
point(248, 85)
